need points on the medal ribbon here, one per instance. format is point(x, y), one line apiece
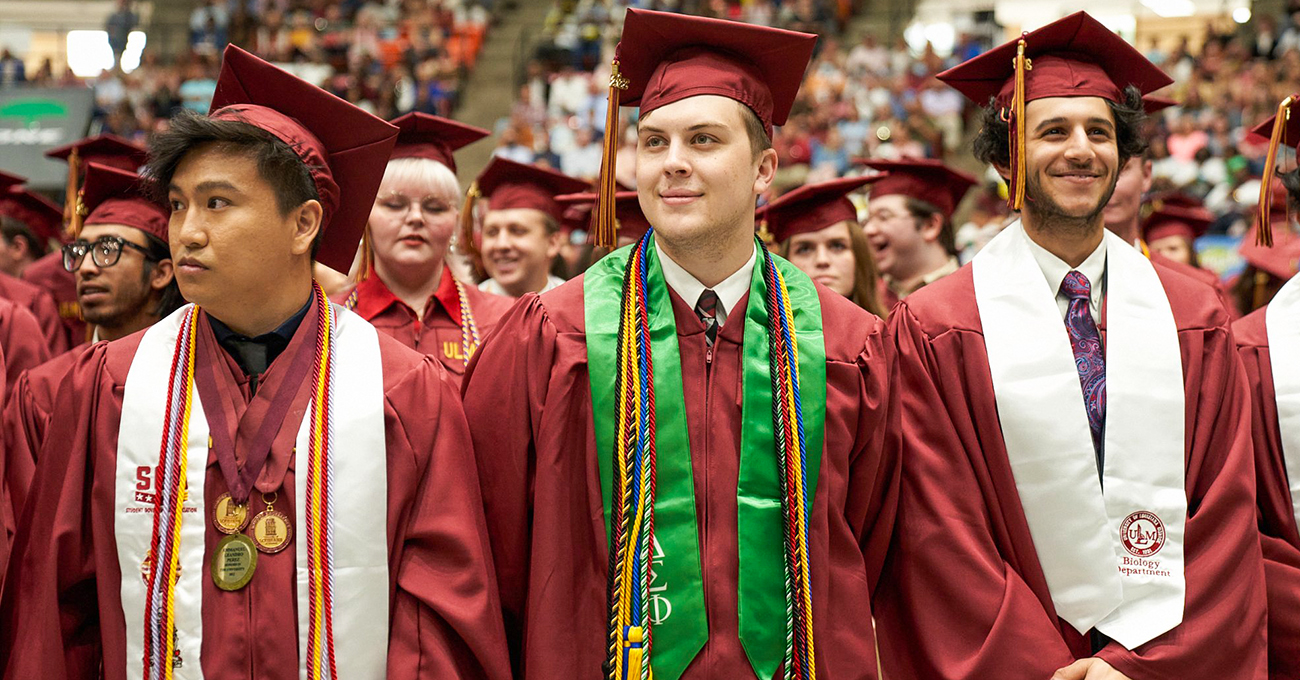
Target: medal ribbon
point(635, 370)
point(159, 613)
point(164, 551)
point(240, 480)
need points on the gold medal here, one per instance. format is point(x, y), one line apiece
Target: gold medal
point(228, 516)
point(271, 528)
point(233, 562)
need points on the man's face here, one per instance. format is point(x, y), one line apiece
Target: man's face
point(112, 296)
point(1176, 248)
point(826, 256)
point(518, 250)
point(1071, 157)
point(12, 256)
point(1121, 213)
point(696, 173)
point(410, 225)
point(896, 239)
point(229, 241)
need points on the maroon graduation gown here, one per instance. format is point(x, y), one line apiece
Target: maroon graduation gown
point(25, 419)
point(48, 274)
point(964, 595)
point(1278, 535)
point(24, 343)
point(438, 333)
point(41, 305)
point(61, 615)
point(528, 400)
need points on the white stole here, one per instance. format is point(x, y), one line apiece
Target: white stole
point(1112, 561)
point(1282, 323)
point(360, 495)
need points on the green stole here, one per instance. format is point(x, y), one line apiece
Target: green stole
point(762, 606)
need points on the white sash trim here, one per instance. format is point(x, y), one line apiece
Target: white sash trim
point(1282, 324)
point(1094, 579)
point(360, 502)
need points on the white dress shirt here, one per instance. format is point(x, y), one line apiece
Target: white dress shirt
point(1055, 269)
point(729, 291)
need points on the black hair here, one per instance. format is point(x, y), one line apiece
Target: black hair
point(991, 144)
point(1290, 180)
point(277, 163)
point(170, 299)
point(12, 228)
point(922, 211)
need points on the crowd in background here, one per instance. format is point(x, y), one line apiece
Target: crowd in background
point(863, 95)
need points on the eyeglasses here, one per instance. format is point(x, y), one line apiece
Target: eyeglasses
point(105, 251)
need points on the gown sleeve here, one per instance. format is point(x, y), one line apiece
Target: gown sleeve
point(24, 342)
point(1275, 515)
point(446, 618)
point(949, 604)
point(505, 387)
point(49, 621)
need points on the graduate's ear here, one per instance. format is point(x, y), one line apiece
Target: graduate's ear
point(306, 225)
point(161, 275)
point(554, 241)
point(1004, 171)
point(931, 227)
point(766, 171)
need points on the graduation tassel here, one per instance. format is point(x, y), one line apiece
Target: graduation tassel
point(604, 228)
point(764, 233)
point(1264, 230)
point(467, 220)
point(71, 220)
point(366, 267)
point(1016, 192)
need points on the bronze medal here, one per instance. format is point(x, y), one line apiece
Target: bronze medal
point(271, 529)
point(228, 516)
point(233, 562)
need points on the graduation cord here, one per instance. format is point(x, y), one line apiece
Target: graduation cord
point(320, 506)
point(162, 568)
point(632, 531)
point(163, 561)
point(469, 338)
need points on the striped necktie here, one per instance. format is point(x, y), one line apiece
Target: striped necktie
point(707, 310)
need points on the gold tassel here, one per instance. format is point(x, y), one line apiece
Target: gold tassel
point(603, 225)
point(1260, 297)
point(367, 265)
point(1017, 131)
point(467, 220)
point(1264, 230)
point(764, 233)
point(71, 221)
point(79, 214)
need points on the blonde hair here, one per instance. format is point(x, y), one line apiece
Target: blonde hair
point(426, 172)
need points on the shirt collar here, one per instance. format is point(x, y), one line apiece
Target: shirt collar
point(274, 342)
point(374, 297)
point(729, 291)
point(1055, 269)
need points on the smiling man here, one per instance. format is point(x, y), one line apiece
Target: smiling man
point(650, 432)
point(521, 227)
point(909, 223)
point(259, 485)
point(1077, 500)
point(123, 271)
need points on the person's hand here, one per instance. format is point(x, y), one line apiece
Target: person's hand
point(1091, 668)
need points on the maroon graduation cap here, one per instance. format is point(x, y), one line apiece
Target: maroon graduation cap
point(632, 222)
point(1072, 57)
point(43, 216)
point(1171, 219)
point(507, 185)
point(664, 57)
point(113, 196)
point(1282, 129)
point(811, 207)
point(343, 147)
point(422, 135)
point(924, 179)
point(9, 181)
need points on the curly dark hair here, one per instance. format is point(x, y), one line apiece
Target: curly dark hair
point(991, 145)
point(1290, 180)
point(277, 163)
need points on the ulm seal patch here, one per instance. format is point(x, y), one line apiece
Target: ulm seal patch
point(1142, 533)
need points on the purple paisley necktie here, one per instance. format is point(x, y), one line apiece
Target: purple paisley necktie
point(1089, 357)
